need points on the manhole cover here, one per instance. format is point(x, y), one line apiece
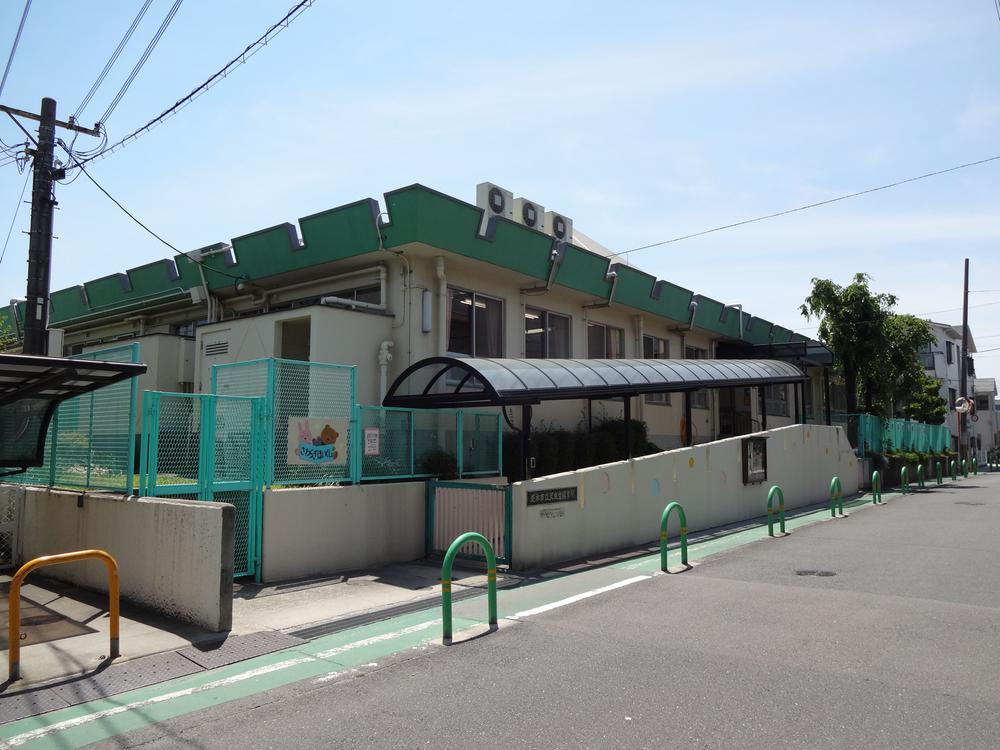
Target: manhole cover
point(820, 573)
point(967, 502)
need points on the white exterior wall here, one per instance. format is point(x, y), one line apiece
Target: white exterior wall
point(619, 505)
point(314, 531)
point(175, 557)
point(984, 429)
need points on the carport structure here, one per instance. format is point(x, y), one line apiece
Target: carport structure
point(453, 382)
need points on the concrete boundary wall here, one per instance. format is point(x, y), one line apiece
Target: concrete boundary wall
point(619, 505)
point(313, 531)
point(175, 557)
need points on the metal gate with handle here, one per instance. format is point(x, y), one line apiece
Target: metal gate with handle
point(208, 447)
point(456, 507)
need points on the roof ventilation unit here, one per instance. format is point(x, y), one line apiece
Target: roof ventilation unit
point(559, 226)
point(495, 202)
point(529, 213)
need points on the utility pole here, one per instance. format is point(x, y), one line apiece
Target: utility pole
point(43, 203)
point(963, 378)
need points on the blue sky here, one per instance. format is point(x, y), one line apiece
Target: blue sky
point(642, 121)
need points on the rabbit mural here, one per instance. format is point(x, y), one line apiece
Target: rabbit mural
point(316, 441)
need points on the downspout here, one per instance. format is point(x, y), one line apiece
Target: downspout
point(384, 358)
point(555, 261)
point(209, 300)
point(442, 306)
point(612, 276)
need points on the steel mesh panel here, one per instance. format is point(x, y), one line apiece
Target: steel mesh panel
point(434, 436)
point(233, 436)
point(480, 443)
point(90, 441)
point(178, 435)
point(241, 529)
point(395, 457)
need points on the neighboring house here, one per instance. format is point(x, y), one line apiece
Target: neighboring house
point(942, 360)
point(983, 423)
point(433, 275)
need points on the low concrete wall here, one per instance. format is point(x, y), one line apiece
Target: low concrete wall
point(619, 505)
point(325, 530)
point(175, 557)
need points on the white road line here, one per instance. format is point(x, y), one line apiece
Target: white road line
point(98, 715)
point(376, 639)
point(576, 598)
point(342, 672)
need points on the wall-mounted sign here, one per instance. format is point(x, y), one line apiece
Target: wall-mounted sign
point(372, 441)
point(314, 442)
point(555, 495)
point(754, 460)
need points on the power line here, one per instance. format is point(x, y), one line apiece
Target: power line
point(814, 205)
point(249, 51)
point(112, 60)
point(17, 209)
point(13, 49)
point(134, 218)
point(142, 60)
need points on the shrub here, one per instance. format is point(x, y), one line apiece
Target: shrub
point(439, 463)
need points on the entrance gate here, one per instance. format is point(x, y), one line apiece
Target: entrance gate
point(454, 508)
point(208, 447)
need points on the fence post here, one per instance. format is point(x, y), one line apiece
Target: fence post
point(132, 396)
point(904, 479)
point(271, 411)
point(459, 440)
point(491, 581)
point(54, 447)
point(499, 446)
point(413, 449)
point(672, 506)
point(836, 497)
point(876, 487)
point(775, 490)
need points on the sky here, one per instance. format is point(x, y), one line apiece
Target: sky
point(643, 121)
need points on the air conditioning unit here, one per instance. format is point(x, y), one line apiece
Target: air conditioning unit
point(495, 202)
point(558, 226)
point(529, 213)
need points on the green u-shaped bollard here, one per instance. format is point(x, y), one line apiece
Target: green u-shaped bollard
point(836, 497)
point(876, 487)
point(491, 581)
point(937, 472)
point(975, 466)
point(775, 490)
point(965, 469)
point(921, 476)
point(954, 470)
point(671, 507)
point(904, 479)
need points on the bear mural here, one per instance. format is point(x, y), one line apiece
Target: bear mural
point(315, 441)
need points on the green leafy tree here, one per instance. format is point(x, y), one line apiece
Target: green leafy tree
point(7, 336)
point(852, 322)
point(926, 404)
point(876, 349)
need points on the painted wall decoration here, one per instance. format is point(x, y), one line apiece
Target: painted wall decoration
point(314, 442)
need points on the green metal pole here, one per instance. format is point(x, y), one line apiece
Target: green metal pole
point(920, 476)
point(965, 469)
point(904, 479)
point(836, 497)
point(775, 490)
point(975, 466)
point(937, 472)
point(876, 487)
point(671, 507)
point(954, 470)
point(491, 581)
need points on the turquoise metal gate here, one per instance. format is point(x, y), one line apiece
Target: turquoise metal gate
point(208, 447)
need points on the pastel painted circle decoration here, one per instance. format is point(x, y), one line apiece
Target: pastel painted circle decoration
point(691, 462)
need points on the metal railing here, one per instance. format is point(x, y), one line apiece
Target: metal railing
point(836, 499)
point(775, 490)
point(14, 614)
point(469, 537)
point(664, 519)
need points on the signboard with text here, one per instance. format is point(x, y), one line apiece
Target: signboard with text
point(554, 495)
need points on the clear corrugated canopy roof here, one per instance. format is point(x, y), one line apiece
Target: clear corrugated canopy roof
point(454, 382)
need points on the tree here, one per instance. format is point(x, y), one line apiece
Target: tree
point(926, 404)
point(7, 337)
point(852, 324)
point(876, 349)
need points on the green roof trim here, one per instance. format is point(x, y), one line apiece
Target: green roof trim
point(585, 272)
point(758, 331)
point(68, 303)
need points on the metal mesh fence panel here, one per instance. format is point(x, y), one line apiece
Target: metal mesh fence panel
point(387, 442)
point(309, 414)
point(8, 530)
point(91, 440)
point(872, 434)
point(480, 443)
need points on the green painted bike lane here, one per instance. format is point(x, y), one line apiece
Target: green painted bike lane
point(349, 652)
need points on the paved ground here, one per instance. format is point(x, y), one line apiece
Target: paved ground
point(760, 647)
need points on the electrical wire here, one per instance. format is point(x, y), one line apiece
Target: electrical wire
point(249, 51)
point(134, 218)
point(17, 209)
point(813, 205)
point(13, 49)
point(142, 61)
point(112, 60)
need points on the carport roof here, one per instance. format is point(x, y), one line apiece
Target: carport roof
point(439, 382)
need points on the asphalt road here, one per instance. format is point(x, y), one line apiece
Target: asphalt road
point(879, 631)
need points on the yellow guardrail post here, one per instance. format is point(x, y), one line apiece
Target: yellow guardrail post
point(14, 615)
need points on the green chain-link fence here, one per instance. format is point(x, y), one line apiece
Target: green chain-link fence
point(413, 443)
point(871, 434)
point(309, 416)
point(91, 439)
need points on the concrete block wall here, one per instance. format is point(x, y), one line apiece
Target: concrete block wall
point(175, 557)
point(619, 505)
point(311, 531)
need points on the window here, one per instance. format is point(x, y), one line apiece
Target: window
point(371, 294)
point(949, 351)
point(699, 398)
point(656, 348)
point(952, 395)
point(546, 335)
point(475, 324)
point(605, 342)
point(776, 400)
point(926, 357)
point(982, 403)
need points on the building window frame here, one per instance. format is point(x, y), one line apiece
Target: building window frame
point(699, 398)
point(776, 400)
point(475, 298)
point(656, 347)
point(604, 339)
point(547, 332)
point(949, 349)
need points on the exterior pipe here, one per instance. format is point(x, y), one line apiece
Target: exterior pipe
point(555, 260)
point(442, 282)
point(611, 276)
point(384, 358)
point(352, 303)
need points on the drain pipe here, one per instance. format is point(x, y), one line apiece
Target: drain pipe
point(354, 304)
point(442, 280)
point(612, 276)
point(555, 261)
point(384, 358)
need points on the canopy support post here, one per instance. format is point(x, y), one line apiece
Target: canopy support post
point(628, 426)
point(526, 457)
